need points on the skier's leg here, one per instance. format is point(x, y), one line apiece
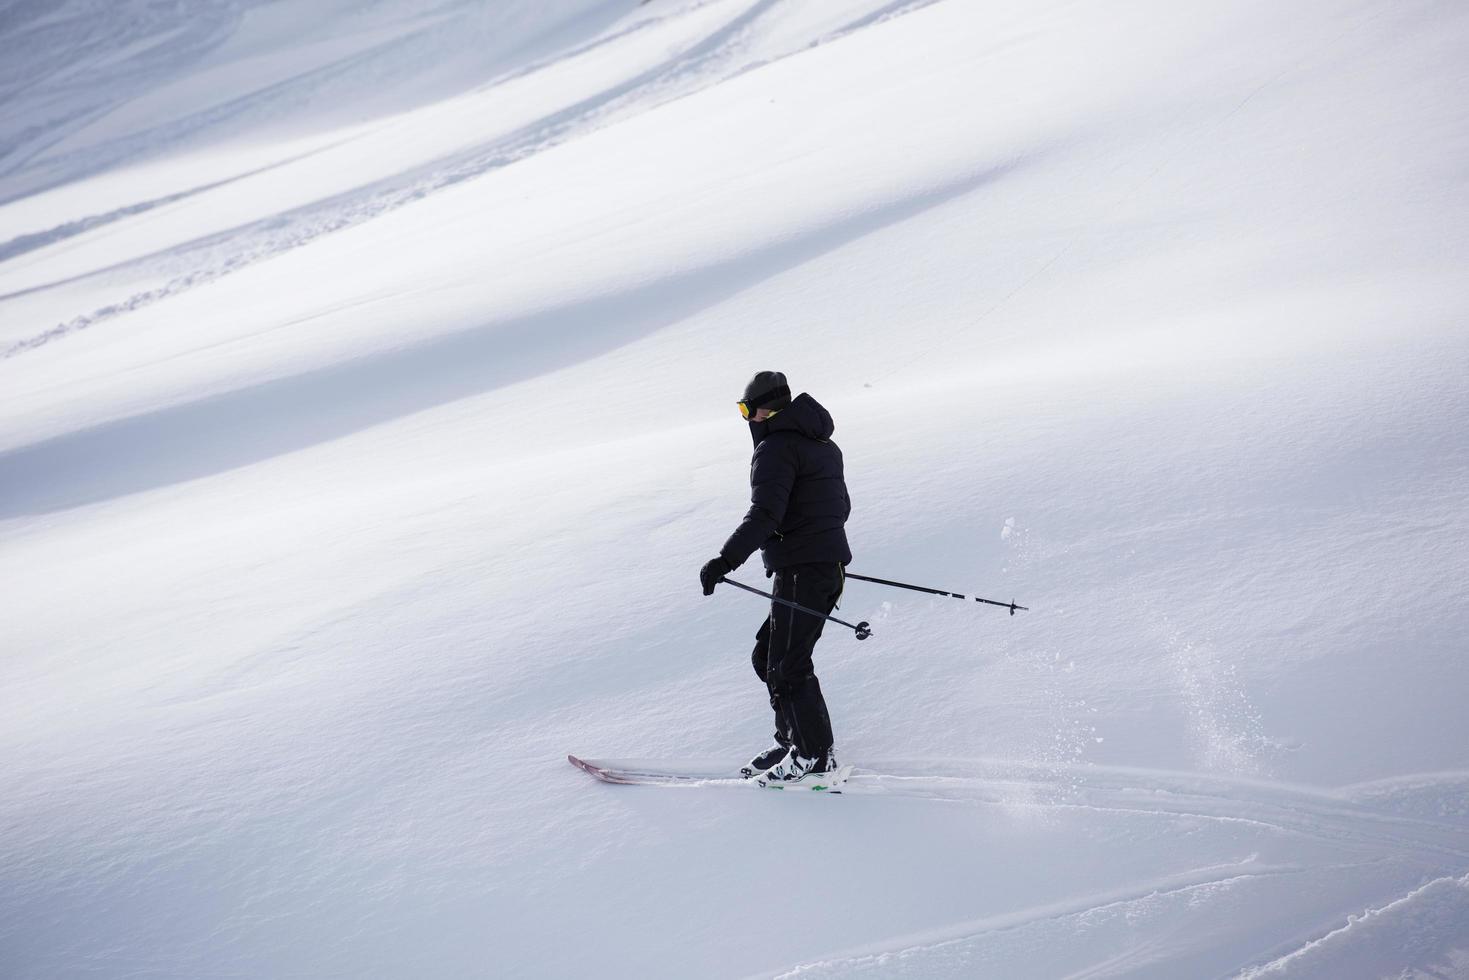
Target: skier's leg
point(760, 659)
point(789, 671)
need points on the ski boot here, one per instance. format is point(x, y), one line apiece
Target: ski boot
point(796, 771)
point(765, 760)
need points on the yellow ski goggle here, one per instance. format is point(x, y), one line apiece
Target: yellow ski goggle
point(747, 412)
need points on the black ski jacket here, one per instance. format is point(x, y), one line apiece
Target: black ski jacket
point(798, 492)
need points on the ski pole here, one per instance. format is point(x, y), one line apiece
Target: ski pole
point(954, 595)
point(861, 629)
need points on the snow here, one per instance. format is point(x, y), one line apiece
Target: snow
point(368, 374)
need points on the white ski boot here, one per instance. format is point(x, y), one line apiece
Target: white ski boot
point(796, 771)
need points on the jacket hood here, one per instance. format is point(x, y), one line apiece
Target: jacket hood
point(805, 415)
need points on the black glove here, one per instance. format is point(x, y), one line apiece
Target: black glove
point(713, 570)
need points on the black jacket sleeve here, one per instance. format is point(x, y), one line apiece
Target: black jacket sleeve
point(772, 475)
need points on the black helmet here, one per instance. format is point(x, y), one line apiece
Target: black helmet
point(768, 389)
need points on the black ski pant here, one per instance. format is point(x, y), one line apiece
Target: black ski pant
point(782, 656)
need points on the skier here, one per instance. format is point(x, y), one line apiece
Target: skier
point(798, 508)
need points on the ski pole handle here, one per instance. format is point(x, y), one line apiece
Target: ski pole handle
point(862, 630)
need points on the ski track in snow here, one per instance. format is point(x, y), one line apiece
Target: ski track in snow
point(902, 954)
point(1299, 811)
point(712, 59)
point(1429, 926)
point(1287, 810)
point(1436, 914)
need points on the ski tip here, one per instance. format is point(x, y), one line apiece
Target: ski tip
point(590, 769)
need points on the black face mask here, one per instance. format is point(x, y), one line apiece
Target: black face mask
point(759, 430)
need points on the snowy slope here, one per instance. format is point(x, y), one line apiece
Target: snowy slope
point(368, 375)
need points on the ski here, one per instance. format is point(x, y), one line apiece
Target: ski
point(818, 782)
point(643, 772)
point(653, 773)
